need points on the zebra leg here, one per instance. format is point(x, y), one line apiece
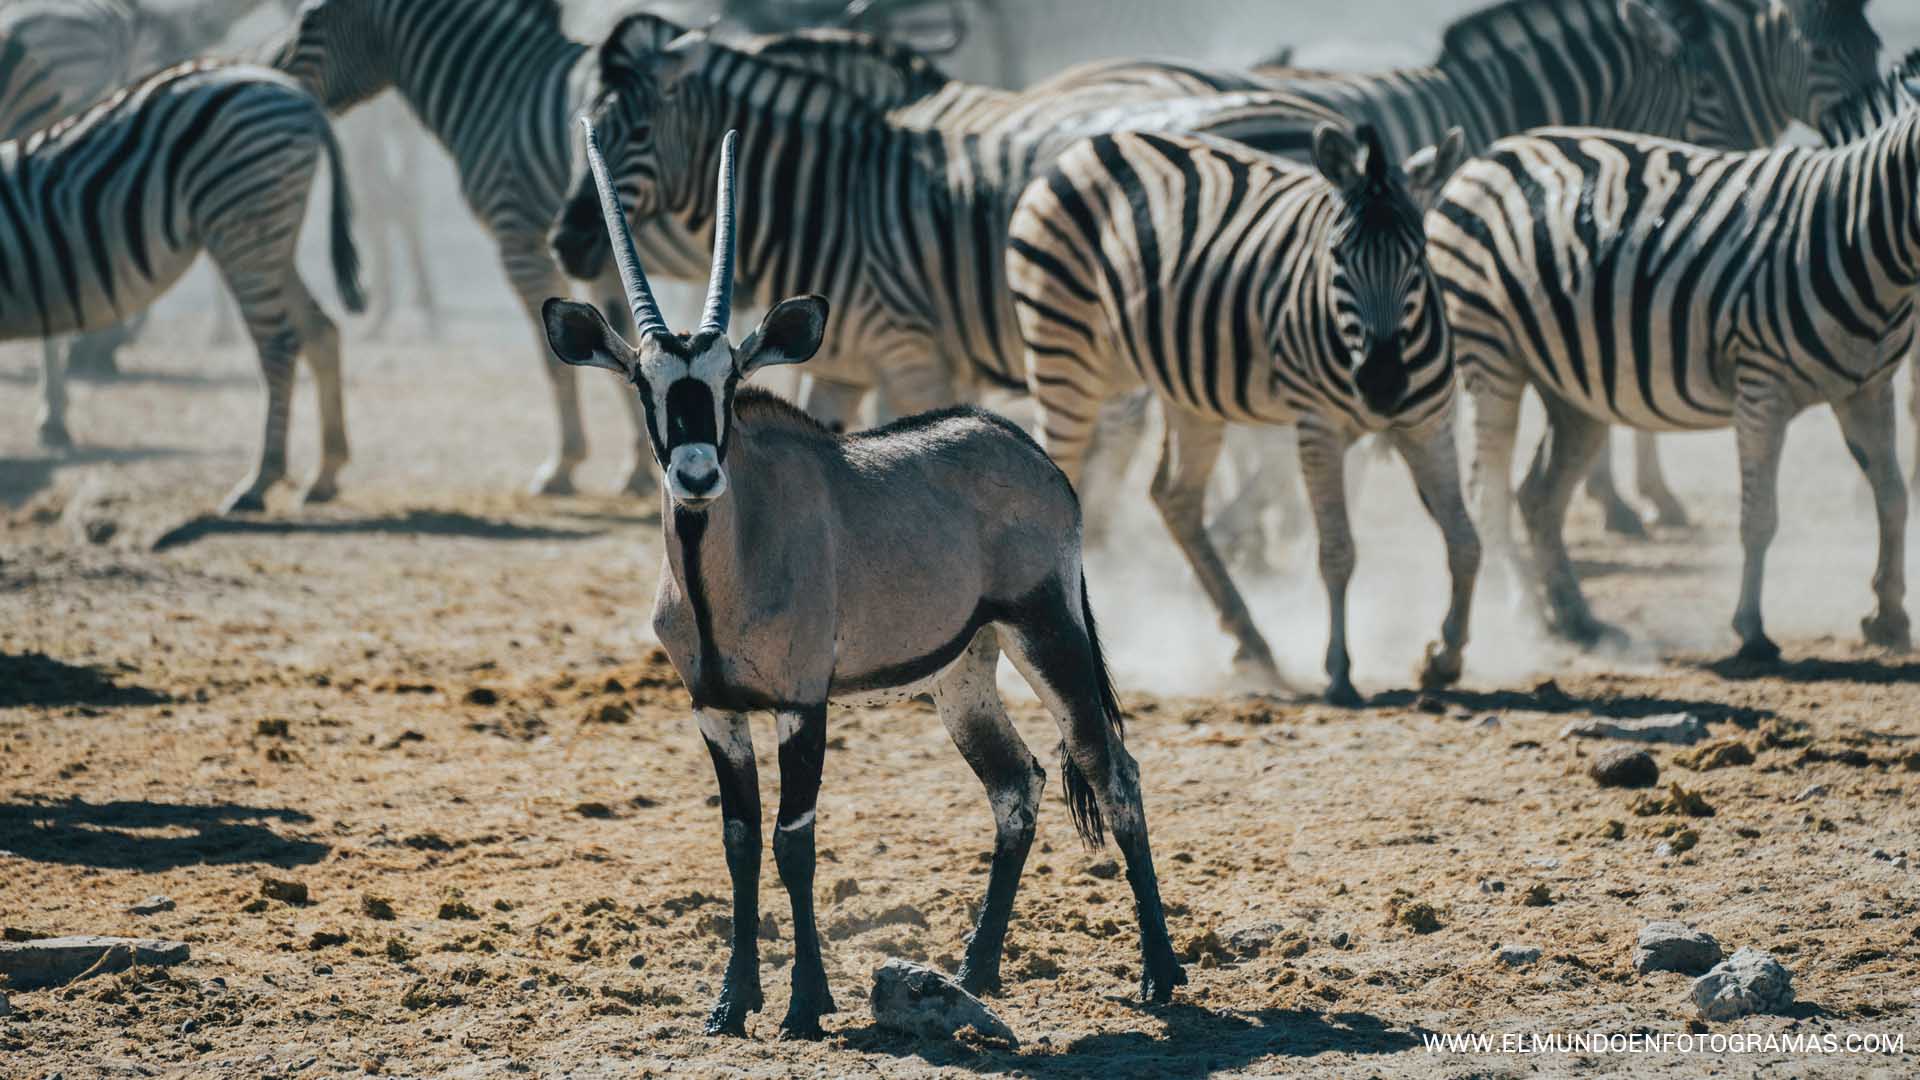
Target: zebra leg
point(1064, 669)
point(1323, 452)
point(1496, 423)
point(835, 404)
point(803, 751)
point(320, 339)
point(1760, 414)
point(970, 707)
point(1913, 408)
point(530, 266)
point(1573, 440)
point(278, 344)
point(53, 394)
point(1432, 458)
point(1621, 518)
point(1187, 454)
point(1259, 466)
point(1650, 480)
point(1866, 419)
point(730, 743)
point(1119, 427)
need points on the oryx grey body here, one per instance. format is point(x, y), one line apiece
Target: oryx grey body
point(102, 213)
point(804, 567)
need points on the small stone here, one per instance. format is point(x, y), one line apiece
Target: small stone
point(1749, 982)
point(917, 1000)
point(482, 695)
point(529, 984)
point(285, 891)
point(43, 962)
point(152, 905)
point(1491, 886)
point(1340, 939)
point(637, 961)
point(1515, 956)
point(1811, 791)
point(1679, 843)
point(1624, 767)
point(323, 969)
point(594, 810)
point(1684, 729)
point(1673, 946)
point(1719, 754)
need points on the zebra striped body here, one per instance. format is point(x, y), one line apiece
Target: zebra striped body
point(1660, 286)
point(496, 82)
point(104, 211)
point(87, 47)
point(1239, 287)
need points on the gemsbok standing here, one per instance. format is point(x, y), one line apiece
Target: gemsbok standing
point(804, 567)
point(1242, 288)
point(1664, 287)
point(101, 213)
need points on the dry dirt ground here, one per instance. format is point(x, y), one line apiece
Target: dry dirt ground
point(434, 704)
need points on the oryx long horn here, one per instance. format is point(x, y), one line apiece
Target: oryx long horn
point(720, 283)
point(646, 312)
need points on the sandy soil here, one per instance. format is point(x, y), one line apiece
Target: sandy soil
point(435, 705)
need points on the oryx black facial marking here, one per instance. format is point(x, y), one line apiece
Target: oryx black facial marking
point(859, 568)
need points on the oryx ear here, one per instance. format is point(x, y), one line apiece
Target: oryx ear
point(578, 334)
point(1428, 169)
point(789, 334)
point(1336, 155)
point(1652, 27)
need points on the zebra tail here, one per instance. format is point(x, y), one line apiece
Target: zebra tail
point(1081, 802)
point(346, 258)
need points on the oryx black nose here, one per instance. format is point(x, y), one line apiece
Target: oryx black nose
point(1382, 378)
point(697, 485)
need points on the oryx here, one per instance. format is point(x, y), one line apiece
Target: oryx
point(803, 567)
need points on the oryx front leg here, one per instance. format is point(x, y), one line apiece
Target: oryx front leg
point(1323, 452)
point(1432, 459)
point(970, 707)
point(803, 749)
point(730, 744)
point(1761, 410)
point(1866, 419)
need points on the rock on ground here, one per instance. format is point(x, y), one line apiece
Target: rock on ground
point(152, 905)
point(1672, 946)
point(1682, 728)
point(43, 962)
point(1624, 766)
point(1749, 982)
point(1515, 956)
point(916, 1000)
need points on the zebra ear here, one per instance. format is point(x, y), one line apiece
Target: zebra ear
point(578, 334)
point(682, 57)
point(1336, 155)
point(1429, 168)
point(1653, 28)
point(790, 334)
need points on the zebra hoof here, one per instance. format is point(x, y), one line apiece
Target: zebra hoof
point(54, 436)
point(1623, 520)
point(1341, 694)
point(247, 501)
point(1759, 649)
point(553, 480)
point(319, 493)
point(1671, 516)
point(640, 482)
point(1888, 631)
point(1442, 668)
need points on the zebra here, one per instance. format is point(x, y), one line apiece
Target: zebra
point(1242, 288)
point(497, 83)
point(29, 96)
point(104, 211)
point(803, 567)
point(1660, 286)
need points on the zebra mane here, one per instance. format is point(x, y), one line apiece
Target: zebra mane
point(1864, 111)
point(1466, 37)
point(886, 73)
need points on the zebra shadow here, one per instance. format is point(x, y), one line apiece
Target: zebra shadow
point(1549, 698)
point(21, 478)
point(123, 835)
point(1192, 1041)
point(1867, 670)
point(416, 522)
point(37, 679)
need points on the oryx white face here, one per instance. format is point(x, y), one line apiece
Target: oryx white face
point(687, 382)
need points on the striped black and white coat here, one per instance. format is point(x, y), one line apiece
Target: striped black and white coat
point(1660, 286)
point(102, 212)
point(1241, 288)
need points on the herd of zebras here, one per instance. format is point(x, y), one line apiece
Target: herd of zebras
point(1275, 246)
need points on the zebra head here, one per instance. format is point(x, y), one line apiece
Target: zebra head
point(641, 63)
point(1750, 68)
point(1386, 306)
point(686, 381)
point(337, 50)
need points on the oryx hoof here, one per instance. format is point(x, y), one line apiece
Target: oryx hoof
point(804, 1011)
point(729, 1015)
point(1888, 630)
point(1159, 978)
point(980, 981)
point(1442, 667)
